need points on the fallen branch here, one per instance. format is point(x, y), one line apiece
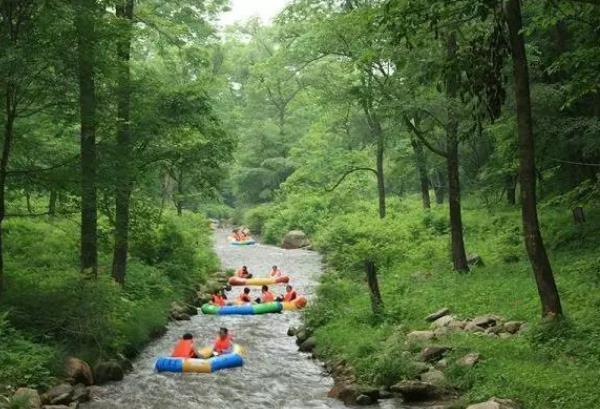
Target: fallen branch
point(348, 173)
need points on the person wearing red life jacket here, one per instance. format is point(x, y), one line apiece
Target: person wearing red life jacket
point(185, 348)
point(243, 272)
point(275, 272)
point(244, 296)
point(223, 344)
point(218, 299)
point(290, 294)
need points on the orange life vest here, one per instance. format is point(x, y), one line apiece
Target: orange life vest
point(290, 296)
point(242, 274)
point(268, 296)
point(223, 345)
point(218, 300)
point(184, 349)
point(244, 297)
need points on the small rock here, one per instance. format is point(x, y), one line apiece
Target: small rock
point(432, 354)
point(495, 403)
point(108, 371)
point(442, 322)
point(419, 336)
point(414, 391)
point(364, 400)
point(494, 330)
point(29, 395)
point(441, 364)
point(78, 371)
point(484, 321)
point(512, 327)
point(308, 345)
point(125, 363)
point(345, 392)
point(295, 239)
point(475, 260)
point(469, 360)
point(58, 395)
point(291, 331)
point(438, 314)
point(434, 377)
point(385, 394)
point(472, 327)
point(301, 335)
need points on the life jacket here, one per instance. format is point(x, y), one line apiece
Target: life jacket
point(242, 274)
point(218, 300)
point(244, 297)
point(290, 296)
point(276, 273)
point(184, 349)
point(268, 296)
point(223, 345)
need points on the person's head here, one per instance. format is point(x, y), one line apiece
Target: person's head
point(246, 290)
point(265, 288)
point(288, 288)
point(187, 336)
point(244, 268)
point(274, 268)
point(223, 332)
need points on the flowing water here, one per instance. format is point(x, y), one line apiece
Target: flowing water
point(275, 374)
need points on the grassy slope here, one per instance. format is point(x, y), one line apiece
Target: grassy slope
point(548, 368)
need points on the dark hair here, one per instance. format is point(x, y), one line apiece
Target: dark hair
point(223, 329)
point(289, 286)
point(188, 336)
point(265, 288)
point(274, 266)
point(246, 290)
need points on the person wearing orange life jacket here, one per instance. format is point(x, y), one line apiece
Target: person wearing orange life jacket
point(290, 294)
point(223, 344)
point(243, 272)
point(218, 298)
point(244, 296)
point(275, 272)
point(185, 347)
point(266, 296)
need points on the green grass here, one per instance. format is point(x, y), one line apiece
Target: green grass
point(551, 367)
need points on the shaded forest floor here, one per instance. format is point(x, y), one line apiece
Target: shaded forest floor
point(548, 366)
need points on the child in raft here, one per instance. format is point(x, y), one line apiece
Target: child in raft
point(275, 272)
point(290, 294)
point(218, 298)
point(244, 296)
point(243, 272)
point(223, 344)
point(185, 347)
point(266, 296)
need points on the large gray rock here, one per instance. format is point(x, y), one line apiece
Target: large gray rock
point(108, 371)
point(434, 377)
point(302, 334)
point(472, 327)
point(495, 403)
point(59, 395)
point(29, 397)
point(512, 327)
point(469, 360)
point(438, 314)
point(78, 371)
point(80, 393)
point(364, 400)
point(308, 345)
point(295, 239)
point(414, 391)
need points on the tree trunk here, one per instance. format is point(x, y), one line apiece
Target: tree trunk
point(6, 148)
point(380, 171)
point(124, 182)
point(459, 257)
point(52, 203)
point(439, 189)
point(511, 190)
point(180, 191)
point(86, 42)
point(421, 162)
point(376, 302)
point(534, 243)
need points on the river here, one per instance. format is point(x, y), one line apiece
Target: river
point(275, 374)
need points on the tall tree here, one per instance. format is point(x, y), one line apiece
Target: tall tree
point(548, 292)
point(124, 181)
point(86, 12)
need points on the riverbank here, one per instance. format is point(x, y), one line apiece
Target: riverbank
point(49, 316)
point(542, 366)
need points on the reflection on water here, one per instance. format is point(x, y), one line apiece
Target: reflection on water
point(275, 374)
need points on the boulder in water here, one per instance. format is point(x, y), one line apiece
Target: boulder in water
point(78, 371)
point(29, 397)
point(295, 239)
point(308, 345)
point(59, 395)
point(108, 371)
point(415, 391)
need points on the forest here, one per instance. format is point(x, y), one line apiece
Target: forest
point(437, 154)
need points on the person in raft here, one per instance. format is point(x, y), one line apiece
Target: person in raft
point(223, 343)
point(275, 272)
point(266, 296)
point(244, 296)
point(218, 298)
point(244, 273)
point(290, 294)
point(239, 235)
point(185, 347)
